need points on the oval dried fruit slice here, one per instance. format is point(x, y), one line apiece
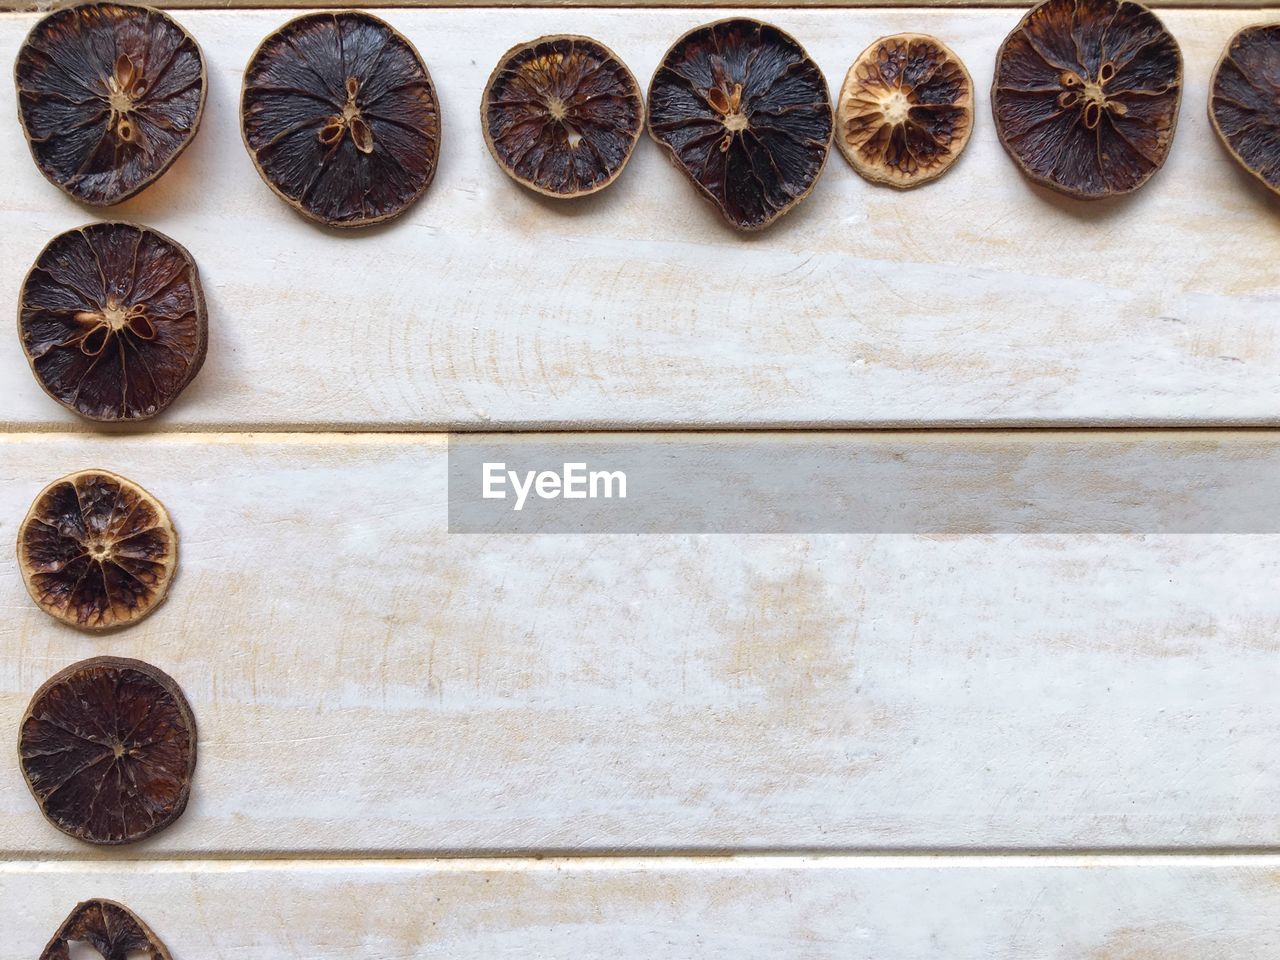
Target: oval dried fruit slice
point(746, 115)
point(97, 551)
point(905, 111)
point(112, 320)
point(109, 95)
point(1244, 101)
point(1086, 96)
point(111, 928)
point(108, 749)
point(561, 115)
point(341, 118)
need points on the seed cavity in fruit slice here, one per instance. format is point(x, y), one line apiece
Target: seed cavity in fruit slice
point(109, 95)
point(341, 118)
point(745, 114)
point(905, 111)
point(561, 115)
point(1086, 96)
point(112, 320)
point(1244, 101)
point(111, 928)
point(96, 551)
point(108, 750)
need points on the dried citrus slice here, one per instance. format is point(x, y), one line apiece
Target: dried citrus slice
point(97, 551)
point(111, 928)
point(341, 118)
point(905, 111)
point(561, 115)
point(1244, 101)
point(745, 113)
point(1086, 96)
point(109, 95)
point(112, 320)
point(108, 749)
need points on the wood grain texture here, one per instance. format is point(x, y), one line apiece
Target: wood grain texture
point(366, 683)
point(977, 300)
point(852, 909)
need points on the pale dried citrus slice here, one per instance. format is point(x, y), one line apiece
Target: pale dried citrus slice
point(905, 111)
point(97, 551)
point(108, 749)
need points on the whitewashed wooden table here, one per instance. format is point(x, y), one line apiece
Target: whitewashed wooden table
point(856, 746)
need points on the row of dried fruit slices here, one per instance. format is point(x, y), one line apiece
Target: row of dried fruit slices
point(341, 117)
point(107, 746)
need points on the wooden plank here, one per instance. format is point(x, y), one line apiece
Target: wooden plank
point(366, 683)
point(853, 909)
point(975, 300)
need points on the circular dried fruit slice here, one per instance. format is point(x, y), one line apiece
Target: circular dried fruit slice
point(97, 551)
point(746, 115)
point(108, 749)
point(1086, 96)
point(109, 95)
point(111, 928)
point(1244, 101)
point(561, 115)
point(112, 320)
point(341, 118)
point(905, 111)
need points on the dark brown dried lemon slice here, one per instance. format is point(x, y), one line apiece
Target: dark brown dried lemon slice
point(111, 928)
point(1244, 101)
point(1086, 96)
point(108, 748)
point(112, 321)
point(746, 115)
point(905, 111)
point(341, 119)
point(561, 115)
point(97, 551)
point(108, 95)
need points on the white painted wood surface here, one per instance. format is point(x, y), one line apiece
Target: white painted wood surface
point(781, 908)
point(367, 684)
point(978, 299)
